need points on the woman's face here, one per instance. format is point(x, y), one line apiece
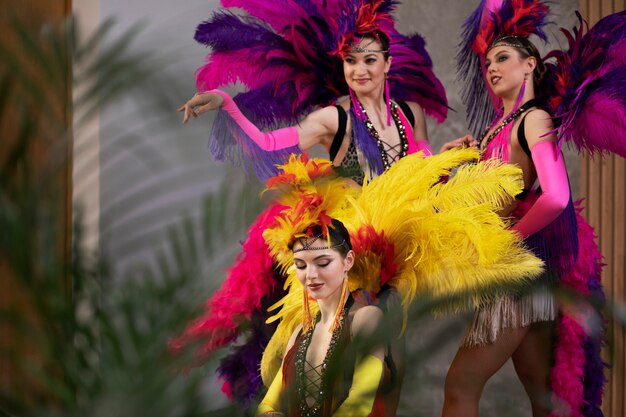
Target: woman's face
point(506, 70)
point(321, 271)
point(365, 71)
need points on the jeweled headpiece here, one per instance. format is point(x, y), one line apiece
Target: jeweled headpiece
point(513, 41)
point(357, 48)
point(308, 240)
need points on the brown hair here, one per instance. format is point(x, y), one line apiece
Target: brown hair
point(339, 236)
point(526, 49)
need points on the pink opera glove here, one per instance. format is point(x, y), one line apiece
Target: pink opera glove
point(424, 146)
point(555, 191)
point(268, 141)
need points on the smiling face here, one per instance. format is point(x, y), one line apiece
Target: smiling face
point(365, 71)
point(506, 70)
point(321, 271)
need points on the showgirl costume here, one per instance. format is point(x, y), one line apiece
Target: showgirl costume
point(585, 91)
point(410, 232)
point(288, 56)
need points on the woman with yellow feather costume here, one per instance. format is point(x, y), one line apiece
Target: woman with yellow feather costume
point(407, 231)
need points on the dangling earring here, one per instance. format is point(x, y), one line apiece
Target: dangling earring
point(307, 319)
point(388, 100)
point(342, 299)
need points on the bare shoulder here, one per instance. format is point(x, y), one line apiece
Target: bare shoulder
point(539, 127)
point(325, 114)
point(415, 108)
point(366, 319)
point(540, 117)
point(318, 127)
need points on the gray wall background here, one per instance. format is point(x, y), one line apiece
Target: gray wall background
point(155, 170)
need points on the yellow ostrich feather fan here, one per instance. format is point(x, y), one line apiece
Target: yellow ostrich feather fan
point(408, 228)
point(448, 237)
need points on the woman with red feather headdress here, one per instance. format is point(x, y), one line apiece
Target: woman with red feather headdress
point(535, 105)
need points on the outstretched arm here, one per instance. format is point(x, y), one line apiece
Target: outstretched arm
point(316, 128)
point(552, 174)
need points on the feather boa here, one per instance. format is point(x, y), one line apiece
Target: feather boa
point(577, 377)
point(249, 281)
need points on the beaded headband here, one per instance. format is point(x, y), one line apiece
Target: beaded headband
point(501, 42)
point(307, 243)
point(361, 49)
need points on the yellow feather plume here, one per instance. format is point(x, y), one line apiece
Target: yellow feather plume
point(445, 238)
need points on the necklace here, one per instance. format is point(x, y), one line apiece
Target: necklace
point(484, 143)
point(384, 152)
point(318, 388)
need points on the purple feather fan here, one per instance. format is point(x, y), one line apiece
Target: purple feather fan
point(474, 93)
point(589, 86)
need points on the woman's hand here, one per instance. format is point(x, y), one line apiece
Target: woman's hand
point(462, 142)
point(200, 103)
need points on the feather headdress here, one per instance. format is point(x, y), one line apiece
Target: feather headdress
point(286, 55)
point(492, 20)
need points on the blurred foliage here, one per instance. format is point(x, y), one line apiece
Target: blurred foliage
point(83, 342)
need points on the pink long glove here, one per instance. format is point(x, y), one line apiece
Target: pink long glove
point(268, 141)
point(424, 146)
point(555, 192)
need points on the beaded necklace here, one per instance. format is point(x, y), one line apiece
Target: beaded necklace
point(384, 153)
point(322, 390)
point(484, 143)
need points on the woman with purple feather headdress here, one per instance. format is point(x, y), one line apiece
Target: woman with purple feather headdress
point(291, 55)
point(535, 106)
point(297, 58)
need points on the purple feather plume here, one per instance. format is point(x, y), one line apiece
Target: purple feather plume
point(228, 142)
point(557, 243)
point(588, 86)
point(367, 146)
point(240, 369)
point(594, 379)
